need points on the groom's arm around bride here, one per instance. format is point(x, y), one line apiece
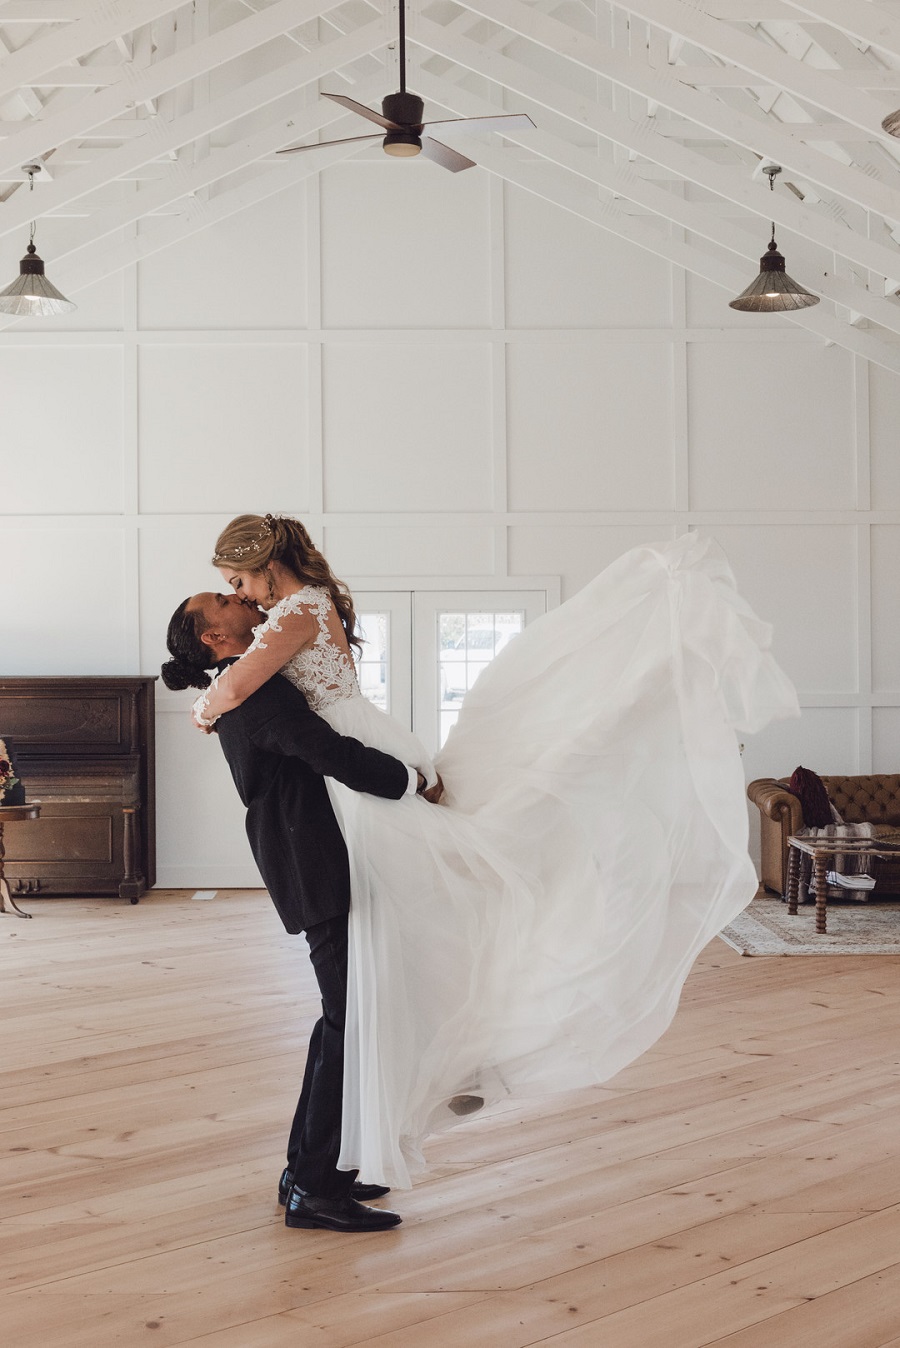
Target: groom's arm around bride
point(279, 752)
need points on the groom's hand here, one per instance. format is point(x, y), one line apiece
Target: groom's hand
point(433, 793)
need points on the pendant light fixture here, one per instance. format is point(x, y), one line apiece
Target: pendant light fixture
point(31, 295)
point(773, 291)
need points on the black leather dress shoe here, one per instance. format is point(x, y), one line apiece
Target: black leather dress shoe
point(363, 1193)
point(335, 1214)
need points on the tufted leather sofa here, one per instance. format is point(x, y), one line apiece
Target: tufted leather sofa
point(858, 800)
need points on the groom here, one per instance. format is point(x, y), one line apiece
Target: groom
point(279, 752)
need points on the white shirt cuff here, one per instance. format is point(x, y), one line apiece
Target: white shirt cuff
point(430, 779)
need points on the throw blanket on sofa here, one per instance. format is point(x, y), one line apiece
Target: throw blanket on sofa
point(848, 864)
point(823, 821)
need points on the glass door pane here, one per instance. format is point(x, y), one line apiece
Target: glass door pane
point(457, 634)
point(372, 661)
point(467, 642)
point(384, 667)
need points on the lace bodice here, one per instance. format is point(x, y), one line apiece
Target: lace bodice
point(323, 672)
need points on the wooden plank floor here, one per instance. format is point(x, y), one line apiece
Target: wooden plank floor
point(736, 1186)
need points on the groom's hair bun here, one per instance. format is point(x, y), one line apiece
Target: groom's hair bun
point(177, 674)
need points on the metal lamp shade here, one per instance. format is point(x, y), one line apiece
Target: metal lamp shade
point(773, 291)
point(31, 294)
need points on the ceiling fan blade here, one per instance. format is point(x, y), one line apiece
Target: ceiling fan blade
point(363, 111)
point(496, 123)
point(320, 144)
point(443, 155)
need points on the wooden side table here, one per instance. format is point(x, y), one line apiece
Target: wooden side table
point(10, 814)
point(823, 851)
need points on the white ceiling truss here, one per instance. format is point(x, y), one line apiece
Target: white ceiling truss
point(152, 119)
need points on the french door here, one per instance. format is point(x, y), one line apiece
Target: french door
point(424, 649)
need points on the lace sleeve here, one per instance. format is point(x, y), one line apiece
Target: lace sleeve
point(312, 599)
point(200, 705)
point(274, 643)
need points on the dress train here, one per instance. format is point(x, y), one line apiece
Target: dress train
point(534, 932)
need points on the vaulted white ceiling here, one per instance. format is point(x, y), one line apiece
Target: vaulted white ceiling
point(152, 119)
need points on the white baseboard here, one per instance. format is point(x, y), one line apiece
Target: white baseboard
point(208, 877)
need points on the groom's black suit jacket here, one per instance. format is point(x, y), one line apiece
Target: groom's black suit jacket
point(279, 752)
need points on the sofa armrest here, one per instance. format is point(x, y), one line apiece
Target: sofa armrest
point(777, 803)
point(780, 815)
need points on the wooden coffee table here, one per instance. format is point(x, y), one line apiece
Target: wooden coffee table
point(823, 851)
point(12, 814)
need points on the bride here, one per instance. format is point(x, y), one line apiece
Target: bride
point(534, 933)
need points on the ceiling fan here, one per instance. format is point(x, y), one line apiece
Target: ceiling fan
point(401, 118)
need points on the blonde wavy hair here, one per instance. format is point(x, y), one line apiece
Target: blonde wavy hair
point(251, 542)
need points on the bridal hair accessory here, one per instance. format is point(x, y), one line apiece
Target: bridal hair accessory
point(252, 547)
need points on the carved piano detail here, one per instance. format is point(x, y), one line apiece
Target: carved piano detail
point(85, 748)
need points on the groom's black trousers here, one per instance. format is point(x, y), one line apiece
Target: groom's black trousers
point(315, 1140)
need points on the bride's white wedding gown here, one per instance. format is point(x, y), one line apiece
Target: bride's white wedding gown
point(533, 933)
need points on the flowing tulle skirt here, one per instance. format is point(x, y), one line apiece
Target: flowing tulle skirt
point(534, 932)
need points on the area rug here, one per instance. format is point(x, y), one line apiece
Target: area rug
point(767, 928)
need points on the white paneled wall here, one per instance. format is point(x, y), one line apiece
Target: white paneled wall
point(62, 450)
point(212, 417)
point(397, 256)
point(809, 568)
point(447, 378)
point(606, 406)
point(406, 426)
point(781, 432)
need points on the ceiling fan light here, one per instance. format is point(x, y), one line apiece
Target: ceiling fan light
point(891, 123)
point(402, 144)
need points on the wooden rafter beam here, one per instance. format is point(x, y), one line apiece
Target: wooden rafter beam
point(164, 136)
point(78, 77)
point(750, 11)
point(137, 85)
point(47, 11)
point(763, 61)
point(26, 95)
point(643, 138)
point(764, 136)
point(865, 22)
point(104, 22)
point(715, 76)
